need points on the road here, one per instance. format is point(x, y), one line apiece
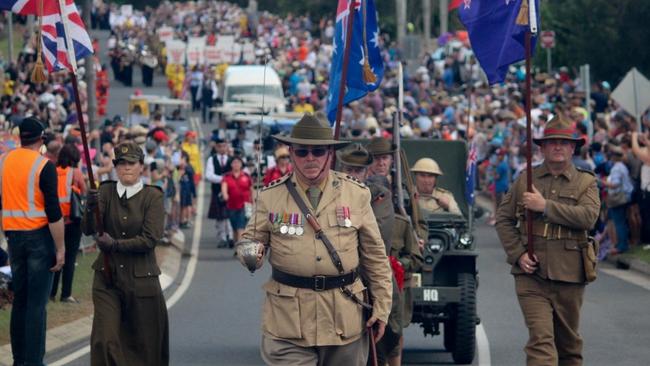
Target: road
point(215, 317)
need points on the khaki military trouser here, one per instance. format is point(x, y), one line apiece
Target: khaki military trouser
point(552, 313)
point(277, 352)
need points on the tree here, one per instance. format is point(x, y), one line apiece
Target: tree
point(611, 36)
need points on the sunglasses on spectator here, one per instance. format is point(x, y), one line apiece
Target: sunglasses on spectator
point(316, 152)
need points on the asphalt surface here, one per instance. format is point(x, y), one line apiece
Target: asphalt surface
point(217, 320)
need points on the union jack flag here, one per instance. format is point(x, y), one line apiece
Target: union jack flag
point(54, 35)
point(470, 174)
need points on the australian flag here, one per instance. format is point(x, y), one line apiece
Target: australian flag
point(365, 65)
point(54, 36)
point(496, 30)
point(470, 174)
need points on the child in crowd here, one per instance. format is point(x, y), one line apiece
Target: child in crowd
point(187, 189)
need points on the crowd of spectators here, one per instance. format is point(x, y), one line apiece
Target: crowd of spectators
point(445, 97)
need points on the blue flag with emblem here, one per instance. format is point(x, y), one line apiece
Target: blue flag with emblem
point(496, 31)
point(365, 65)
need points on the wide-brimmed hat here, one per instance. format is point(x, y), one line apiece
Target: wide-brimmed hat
point(560, 128)
point(380, 146)
point(311, 130)
point(354, 155)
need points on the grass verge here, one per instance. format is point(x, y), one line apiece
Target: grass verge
point(60, 313)
point(638, 252)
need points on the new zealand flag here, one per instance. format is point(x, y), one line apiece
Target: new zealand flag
point(365, 66)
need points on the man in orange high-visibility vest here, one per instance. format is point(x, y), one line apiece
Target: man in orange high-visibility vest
point(33, 225)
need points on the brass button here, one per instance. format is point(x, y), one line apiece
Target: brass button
point(124, 218)
point(319, 258)
point(148, 273)
point(123, 233)
point(553, 191)
point(121, 266)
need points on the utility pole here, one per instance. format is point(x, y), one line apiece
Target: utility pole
point(90, 73)
point(10, 27)
point(426, 16)
point(444, 16)
point(400, 8)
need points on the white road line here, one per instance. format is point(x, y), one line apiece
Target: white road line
point(483, 346)
point(632, 277)
point(185, 283)
point(71, 357)
point(191, 266)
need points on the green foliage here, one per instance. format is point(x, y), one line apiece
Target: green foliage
point(611, 36)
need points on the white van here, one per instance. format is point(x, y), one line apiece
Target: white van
point(244, 86)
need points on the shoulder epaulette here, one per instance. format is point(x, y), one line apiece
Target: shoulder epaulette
point(352, 179)
point(153, 186)
point(276, 182)
point(582, 170)
point(442, 190)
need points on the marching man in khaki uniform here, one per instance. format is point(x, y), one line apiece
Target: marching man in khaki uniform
point(432, 199)
point(551, 284)
point(313, 312)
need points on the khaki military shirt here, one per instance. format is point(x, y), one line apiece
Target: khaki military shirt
point(405, 248)
point(382, 207)
point(429, 203)
point(137, 226)
point(319, 318)
point(559, 234)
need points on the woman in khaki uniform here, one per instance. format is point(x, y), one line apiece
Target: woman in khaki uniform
point(130, 325)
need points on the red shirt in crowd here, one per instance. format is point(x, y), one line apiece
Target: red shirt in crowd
point(239, 190)
point(274, 173)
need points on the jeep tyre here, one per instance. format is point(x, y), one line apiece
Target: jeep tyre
point(464, 329)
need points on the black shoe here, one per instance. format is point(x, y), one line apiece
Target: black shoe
point(231, 243)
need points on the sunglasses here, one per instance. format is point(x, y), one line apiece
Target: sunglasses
point(316, 152)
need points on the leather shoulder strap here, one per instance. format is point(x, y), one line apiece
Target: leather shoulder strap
point(311, 219)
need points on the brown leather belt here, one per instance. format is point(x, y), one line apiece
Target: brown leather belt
point(553, 231)
point(316, 283)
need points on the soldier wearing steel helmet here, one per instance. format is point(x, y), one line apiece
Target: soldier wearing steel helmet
point(432, 199)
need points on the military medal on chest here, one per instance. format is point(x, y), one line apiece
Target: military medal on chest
point(293, 221)
point(340, 216)
point(301, 224)
point(346, 217)
point(284, 228)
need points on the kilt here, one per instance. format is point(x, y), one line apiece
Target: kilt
point(217, 210)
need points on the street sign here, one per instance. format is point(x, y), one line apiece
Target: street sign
point(547, 39)
point(633, 93)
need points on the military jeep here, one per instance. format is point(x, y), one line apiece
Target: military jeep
point(445, 290)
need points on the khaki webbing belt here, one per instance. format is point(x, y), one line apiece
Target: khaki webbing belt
point(553, 231)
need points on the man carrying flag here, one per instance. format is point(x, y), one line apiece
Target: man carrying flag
point(363, 70)
point(544, 219)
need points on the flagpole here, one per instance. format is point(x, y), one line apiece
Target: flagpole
point(344, 72)
point(529, 138)
point(72, 60)
point(470, 214)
